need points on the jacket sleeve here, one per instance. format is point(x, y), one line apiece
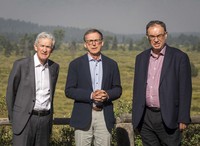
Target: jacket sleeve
point(185, 90)
point(13, 82)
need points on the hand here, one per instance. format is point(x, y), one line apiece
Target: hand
point(96, 96)
point(99, 95)
point(182, 126)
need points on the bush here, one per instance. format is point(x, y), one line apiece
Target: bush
point(3, 109)
point(191, 136)
point(64, 136)
point(5, 136)
point(122, 106)
point(194, 70)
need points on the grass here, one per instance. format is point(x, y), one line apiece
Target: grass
point(125, 59)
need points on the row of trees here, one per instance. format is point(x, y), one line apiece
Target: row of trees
point(24, 45)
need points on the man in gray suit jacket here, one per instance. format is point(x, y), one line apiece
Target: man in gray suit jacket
point(162, 90)
point(93, 82)
point(30, 93)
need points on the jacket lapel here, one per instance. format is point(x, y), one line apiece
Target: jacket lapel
point(31, 70)
point(166, 62)
point(105, 69)
point(146, 63)
point(86, 71)
point(51, 72)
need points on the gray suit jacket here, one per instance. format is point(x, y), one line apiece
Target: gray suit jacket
point(21, 93)
point(175, 87)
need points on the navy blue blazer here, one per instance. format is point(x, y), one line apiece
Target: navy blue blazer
point(79, 88)
point(175, 89)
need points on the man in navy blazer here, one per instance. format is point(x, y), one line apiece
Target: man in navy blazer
point(30, 93)
point(93, 82)
point(162, 90)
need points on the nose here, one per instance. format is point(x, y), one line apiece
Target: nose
point(44, 49)
point(156, 39)
point(93, 42)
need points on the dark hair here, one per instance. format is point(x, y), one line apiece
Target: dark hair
point(155, 22)
point(93, 31)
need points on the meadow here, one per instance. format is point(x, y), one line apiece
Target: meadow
point(125, 59)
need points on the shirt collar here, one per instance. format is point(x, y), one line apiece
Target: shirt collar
point(37, 62)
point(92, 59)
point(162, 53)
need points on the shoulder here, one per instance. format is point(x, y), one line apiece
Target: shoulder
point(175, 51)
point(147, 51)
point(108, 60)
point(51, 62)
point(144, 53)
point(80, 59)
point(53, 66)
point(23, 61)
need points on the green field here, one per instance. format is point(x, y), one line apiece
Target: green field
point(125, 59)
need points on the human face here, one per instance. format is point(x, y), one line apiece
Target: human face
point(43, 49)
point(93, 43)
point(157, 37)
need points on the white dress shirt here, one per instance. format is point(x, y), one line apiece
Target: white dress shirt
point(42, 85)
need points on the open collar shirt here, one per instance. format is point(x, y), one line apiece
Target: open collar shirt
point(42, 82)
point(153, 78)
point(96, 72)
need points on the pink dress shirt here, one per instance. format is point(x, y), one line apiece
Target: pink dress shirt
point(153, 78)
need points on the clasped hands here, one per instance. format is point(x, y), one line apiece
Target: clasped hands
point(99, 95)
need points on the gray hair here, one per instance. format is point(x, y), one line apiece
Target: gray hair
point(44, 35)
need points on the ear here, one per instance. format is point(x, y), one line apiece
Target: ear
point(102, 43)
point(35, 47)
point(166, 34)
point(85, 45)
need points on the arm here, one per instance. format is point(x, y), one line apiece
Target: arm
point(73, 89)
point(185, 91)
point(13, 82)
point(115, 90)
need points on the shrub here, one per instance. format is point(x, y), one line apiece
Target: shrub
point(63, 136)
point(3, 109)
point(5, 136)
point(191, 136)
point(194, 70)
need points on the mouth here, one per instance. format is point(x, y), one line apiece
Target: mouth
point(44, 53)
point(157, 44)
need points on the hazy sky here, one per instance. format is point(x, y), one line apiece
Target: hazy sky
point(118, 16)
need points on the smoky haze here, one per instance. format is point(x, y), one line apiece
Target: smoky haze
point(117, 16)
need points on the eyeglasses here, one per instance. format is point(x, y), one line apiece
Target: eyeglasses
point(159, 37)
point(90, 42)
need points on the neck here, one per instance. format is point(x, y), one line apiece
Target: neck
point(156, 51)
point(95, 56)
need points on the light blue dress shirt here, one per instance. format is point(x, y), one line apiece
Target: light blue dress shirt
point(96, 72)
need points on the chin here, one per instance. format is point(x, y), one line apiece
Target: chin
point(157, 47)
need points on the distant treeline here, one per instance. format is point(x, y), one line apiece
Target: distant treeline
point(12, 29)
point(18, 37)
